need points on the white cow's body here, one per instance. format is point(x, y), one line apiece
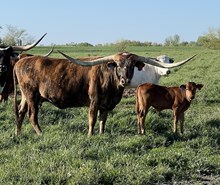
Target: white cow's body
point(149, 73)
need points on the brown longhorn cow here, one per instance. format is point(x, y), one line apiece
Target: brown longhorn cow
point(160, 97)
point(96, 83)
point(8, 57)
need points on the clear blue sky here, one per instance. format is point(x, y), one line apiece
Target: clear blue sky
point(102, 21)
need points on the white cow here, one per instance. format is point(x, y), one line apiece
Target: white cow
point(149, 73)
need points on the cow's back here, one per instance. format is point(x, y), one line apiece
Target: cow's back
point(160, 97)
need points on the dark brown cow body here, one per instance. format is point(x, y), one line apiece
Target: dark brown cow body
point(160, 97)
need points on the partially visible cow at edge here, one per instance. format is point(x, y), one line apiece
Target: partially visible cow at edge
point(9, 84)
point(96, 83)
point(160, 97)
point(8, 56)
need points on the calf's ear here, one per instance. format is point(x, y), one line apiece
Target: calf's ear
point(199, 86)
point(183, 87)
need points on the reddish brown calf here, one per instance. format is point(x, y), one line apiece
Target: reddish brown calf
point(160, 97)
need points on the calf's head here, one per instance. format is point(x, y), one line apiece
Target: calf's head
point(190, 90)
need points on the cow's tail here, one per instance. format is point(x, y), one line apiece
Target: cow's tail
point(15, 97)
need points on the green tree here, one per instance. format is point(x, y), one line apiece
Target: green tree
point(121, 45)
point(176, 40)
point(211, 39)
point(172, 41)
point(16, 36)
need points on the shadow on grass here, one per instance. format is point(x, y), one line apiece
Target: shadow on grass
point(215, 123)
point(213, 101)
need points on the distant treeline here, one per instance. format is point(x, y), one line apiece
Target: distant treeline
point(131, 43)
point(209, 40)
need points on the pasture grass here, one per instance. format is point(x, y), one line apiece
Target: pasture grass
point(65, 155)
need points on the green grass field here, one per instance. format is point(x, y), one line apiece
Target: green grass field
point(65, 155)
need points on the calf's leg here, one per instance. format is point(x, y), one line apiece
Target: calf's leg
point(181, 119)
point(175, 120)
point(141, 115)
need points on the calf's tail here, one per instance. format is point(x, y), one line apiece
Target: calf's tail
point(139, 106)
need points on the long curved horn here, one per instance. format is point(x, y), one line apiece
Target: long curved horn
point(163, 65)
point(88, 63)
point(25, 48)
point(48, 54)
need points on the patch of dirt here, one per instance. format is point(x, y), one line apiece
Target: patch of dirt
point(129, 93)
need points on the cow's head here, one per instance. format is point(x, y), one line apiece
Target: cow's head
point(120, 64)
point(164, 59)
point(124, 63)
point(7, 55)
point(190, 90)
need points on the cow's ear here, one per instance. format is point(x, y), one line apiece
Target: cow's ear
point(183, 87)
point(199, 86)
point(112, 65)
point(139, 65)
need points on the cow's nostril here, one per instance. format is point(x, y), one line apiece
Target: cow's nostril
point(123, 81)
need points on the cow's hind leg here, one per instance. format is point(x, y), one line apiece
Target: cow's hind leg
point(22, 110)
point(33, 107)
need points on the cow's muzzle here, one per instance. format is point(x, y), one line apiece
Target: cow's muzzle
point(168, 72)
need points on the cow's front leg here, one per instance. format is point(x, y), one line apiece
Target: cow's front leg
point(93, 110)
point(103, 117)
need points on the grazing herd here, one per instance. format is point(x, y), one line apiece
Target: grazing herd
point(95, 82)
